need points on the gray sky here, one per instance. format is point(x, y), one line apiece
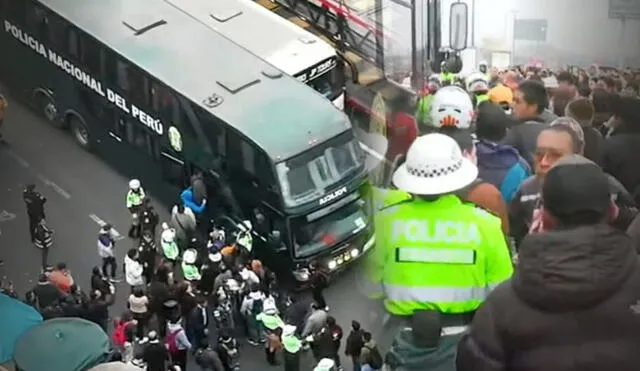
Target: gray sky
point(575, 26)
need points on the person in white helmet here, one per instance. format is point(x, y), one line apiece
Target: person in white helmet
point(478, 86)
point(451, 107)
point(135, 201)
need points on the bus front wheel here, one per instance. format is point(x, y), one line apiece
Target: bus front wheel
point(80, 132)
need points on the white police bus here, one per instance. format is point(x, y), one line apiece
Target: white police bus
point(160, 95)
point(288, 47)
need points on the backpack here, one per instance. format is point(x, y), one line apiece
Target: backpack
point(256, 307)
point(171, 341)
point(375, 359)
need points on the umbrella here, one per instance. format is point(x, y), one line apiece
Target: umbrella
point(115, 366)
point(62, 344)
point(17, 318)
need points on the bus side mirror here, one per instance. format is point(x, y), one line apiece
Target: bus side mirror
point(458, 23)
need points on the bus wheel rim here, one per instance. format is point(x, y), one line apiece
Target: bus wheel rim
point(81, 134)
point(50, 111)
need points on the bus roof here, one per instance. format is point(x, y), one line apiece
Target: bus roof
point(275, 111)
point(262, 32)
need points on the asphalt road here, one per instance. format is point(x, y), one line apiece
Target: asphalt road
point(82, 192)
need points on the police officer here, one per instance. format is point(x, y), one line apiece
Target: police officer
point(478, 86)
point(135, 202)
point(434, 252)
point(35, 207)
point(291, 348)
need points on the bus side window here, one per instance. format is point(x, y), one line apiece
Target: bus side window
point(38, 21)
point(91, 54)
point(213, 129)
point(248, 157)
point(165, 104)
point(140, 138)
point(73, 43)
point(16, 9)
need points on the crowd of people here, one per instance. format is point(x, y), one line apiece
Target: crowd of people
point(528, 260)
point(511, 239)
point(193, 290)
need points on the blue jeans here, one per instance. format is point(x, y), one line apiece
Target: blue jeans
point(366, 367)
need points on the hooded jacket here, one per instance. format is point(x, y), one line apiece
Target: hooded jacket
point(188, 199)
point(502, 166)
point(133, 272)
point(572, 305)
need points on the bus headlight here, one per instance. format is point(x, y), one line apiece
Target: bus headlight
point(354, 253)
point(332, 264)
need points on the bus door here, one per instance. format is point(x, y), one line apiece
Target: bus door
point(270, 246)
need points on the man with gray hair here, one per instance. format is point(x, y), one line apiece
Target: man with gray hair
point(563, 138)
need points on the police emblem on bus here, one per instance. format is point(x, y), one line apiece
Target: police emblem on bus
point(175, 139)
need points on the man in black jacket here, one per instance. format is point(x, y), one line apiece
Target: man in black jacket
point(572, 304)
point(155, 354)
point(97, 310)
point(46, 293)
point(529, 103)
point(35, 207)
point(354, 344)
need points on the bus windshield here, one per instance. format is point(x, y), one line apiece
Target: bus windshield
point(312, 236)
point(328, 84)
point(310, 175)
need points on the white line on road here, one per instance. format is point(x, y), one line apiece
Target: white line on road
point(25, 164)
point(19, 159)
point(116, 235)
point(54, 186)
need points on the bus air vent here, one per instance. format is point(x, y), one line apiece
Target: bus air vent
point(212, 101)
point(272, 73)
point(235, 84)
point(141, 23)
point(307, 40)
point(225, 15)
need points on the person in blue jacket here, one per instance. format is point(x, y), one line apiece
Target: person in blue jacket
point(498, 164)
point(189, 201)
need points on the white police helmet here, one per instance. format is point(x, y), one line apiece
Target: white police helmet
point(134, 184)
point(451, 107)
point(477, 82)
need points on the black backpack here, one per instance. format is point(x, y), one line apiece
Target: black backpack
point(375, 359)
point(257, 307)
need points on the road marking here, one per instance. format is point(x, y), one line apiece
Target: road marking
point(54, 186)
point(25, 164)
point(6, 216)
point(19, 159)
point(114, 233)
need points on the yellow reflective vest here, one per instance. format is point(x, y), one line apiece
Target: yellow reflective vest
point(442, 255)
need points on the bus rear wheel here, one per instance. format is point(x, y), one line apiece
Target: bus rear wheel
point(80, 133)
point(47, 108)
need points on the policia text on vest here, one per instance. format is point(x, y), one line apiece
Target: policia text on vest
point(442, 255)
